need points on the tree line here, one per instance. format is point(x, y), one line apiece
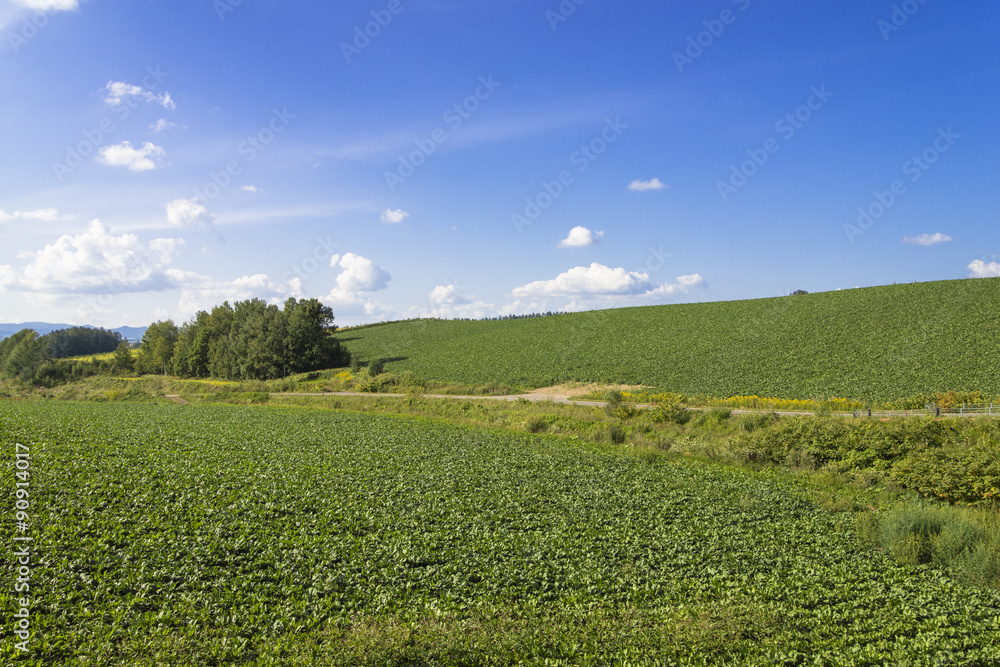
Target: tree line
point(250, 340)
point(30, 357)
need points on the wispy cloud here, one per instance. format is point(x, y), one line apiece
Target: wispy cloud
point(118, 91)
point(41, 215)
point(394, 217)
point(927, 239)
point(645, 186)
point(125, 155)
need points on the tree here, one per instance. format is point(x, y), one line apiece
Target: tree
point(799, 292)
point(123, 359)
point(22, 355)
point(79, 341)
point(157, 349)
point(309, 344)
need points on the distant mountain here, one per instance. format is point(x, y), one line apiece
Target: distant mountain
point(9, 329)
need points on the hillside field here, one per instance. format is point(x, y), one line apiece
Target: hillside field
point(218, 535)
point(877, 343)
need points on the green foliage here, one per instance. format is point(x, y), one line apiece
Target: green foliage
point(249, 341)
point(123, 359)
point(617, 407)
point(716, 417)
point(190, 535)
point(376, 367)
point(80, 341)
point(674, 413)
point(952, 538)
point(157, 348)
point(874, 344)
point(23, 356)
point(758, 420)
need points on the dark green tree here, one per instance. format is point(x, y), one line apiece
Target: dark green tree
point(123, 359)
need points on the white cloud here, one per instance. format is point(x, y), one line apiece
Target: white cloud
point(251, 188)
point(580, 237)
point(593, 279)
point(598, 286)
point(189, 213)
point(644, 186)
point(980, 269)
point(7, 276)
point(358, 278)
point(360, 274)
point(202, 293)
point(48, 5)
point(41, 215)
point(118, 91)
point(396, 216)
point(927, 239)
point(161, 125)
point(693, 280)
point(124, 155)
point(448, 294)
point(95, 261)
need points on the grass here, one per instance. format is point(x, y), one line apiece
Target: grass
point(871, 345)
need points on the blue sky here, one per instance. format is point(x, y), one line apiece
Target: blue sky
point(465, 159)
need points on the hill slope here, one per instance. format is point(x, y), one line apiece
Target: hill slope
point(876, 343)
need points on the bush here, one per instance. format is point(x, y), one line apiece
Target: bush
point(616, 434)
point(376, 367)
point(537, 425)
point(672, 413)
point(964, 540)
point(759, 420)
point(713, 417)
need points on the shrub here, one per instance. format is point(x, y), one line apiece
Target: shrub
point(758, 420)
point(537, 425)
point(376, 367)
point(713, 417)
point(616, 434)
point(672, 412)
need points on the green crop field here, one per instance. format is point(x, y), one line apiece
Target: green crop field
point(879, 343)
point(218, 535)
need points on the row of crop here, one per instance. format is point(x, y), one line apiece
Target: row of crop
point(244, 535)
point(874, 345)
